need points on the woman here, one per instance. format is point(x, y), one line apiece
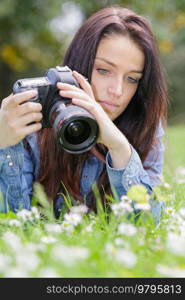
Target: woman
point(116, 51)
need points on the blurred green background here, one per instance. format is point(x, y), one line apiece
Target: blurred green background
point(34, 35)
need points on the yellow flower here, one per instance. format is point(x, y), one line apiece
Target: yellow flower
point(138, 193)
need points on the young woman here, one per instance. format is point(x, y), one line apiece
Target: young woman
point(116, 51)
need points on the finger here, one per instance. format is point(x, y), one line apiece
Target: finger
point(84, 83)
point(31, 129)
point(28, 107)
point(29, 118)
point(13, 100)
point(75, 94)
point(92, 107)
point(66, 86)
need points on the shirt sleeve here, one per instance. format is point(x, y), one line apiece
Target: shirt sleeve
point(134, 173)
point(154, 161)
point(16, 178)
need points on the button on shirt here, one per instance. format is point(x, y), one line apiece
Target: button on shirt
point(19, 168)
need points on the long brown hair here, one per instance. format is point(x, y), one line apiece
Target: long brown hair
point(140, 119)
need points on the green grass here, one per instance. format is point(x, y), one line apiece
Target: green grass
point(96, 245)
point(174, 140)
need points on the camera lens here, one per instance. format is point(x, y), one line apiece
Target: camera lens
point(75, 129)
point(77, 132)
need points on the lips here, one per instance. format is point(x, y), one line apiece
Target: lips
point(108, 105)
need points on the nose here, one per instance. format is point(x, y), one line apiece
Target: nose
point(116, 88)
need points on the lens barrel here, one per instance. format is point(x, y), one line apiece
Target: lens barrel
point(76, 129)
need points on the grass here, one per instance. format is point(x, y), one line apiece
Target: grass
point(89, 245)
point(174, 150)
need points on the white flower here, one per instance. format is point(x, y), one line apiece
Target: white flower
point(35, 212)
point(176, 243)
point(126, 199)
point(142, 206)
point(121, 208)
point(69, 255)
point(14, 222)
point(170, 211)
point(25, 215)
point(170, 271)
point(67, 227)
point(53, 228)
point(89, 228)
point(48, 239)
point(16, 272)
point(121, 255)
point(48, 272)
point(31, 247)
point(92, 218)
point(41, 247)
point(27, 260)
point(180, 175)
point(166, 185)
point(120, 242)
point(182, 212)
point(73, 218)
point(127, 229)
point(126, 257)
point(110, 248)
point(13, 241)
point(5, 261)
point(79, 209)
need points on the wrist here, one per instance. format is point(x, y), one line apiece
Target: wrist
point(120, 144)
point(120, 155)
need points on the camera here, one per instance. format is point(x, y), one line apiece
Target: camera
point(75, 128)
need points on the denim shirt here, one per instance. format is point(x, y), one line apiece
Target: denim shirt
point(19, 169)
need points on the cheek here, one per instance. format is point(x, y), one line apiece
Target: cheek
point(97, 87)
point(127, 97)
point(130, 93)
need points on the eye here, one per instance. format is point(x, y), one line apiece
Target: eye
point(102, 71)
point(132, 80)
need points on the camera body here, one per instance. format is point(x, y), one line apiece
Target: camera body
point(75, 128)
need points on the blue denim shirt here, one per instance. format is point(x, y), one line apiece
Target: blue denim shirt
point(19, 168)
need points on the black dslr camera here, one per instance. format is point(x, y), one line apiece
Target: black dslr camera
point(75, 128)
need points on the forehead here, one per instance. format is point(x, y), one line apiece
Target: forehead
point(121, 51)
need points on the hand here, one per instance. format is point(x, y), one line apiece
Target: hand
point(109, 135)
point(16, 114)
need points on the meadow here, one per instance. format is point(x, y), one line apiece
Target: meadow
point(114, 243)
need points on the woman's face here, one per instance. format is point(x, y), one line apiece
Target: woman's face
point(116, 73)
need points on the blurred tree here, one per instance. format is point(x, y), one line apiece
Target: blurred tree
point(27, 44)
point(34, 35)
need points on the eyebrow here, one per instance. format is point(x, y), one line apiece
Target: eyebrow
point(114, 65)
